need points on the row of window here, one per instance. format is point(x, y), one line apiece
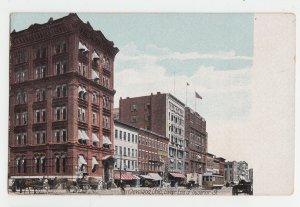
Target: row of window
point(176, 130)
point(179, 154)
point(60, 135)
point(176, 109)
point(40, 163)
point(152, 143)
point(148, 155)
point(126, 136)
point(119, 150)
point(61, 91)
point(126, 165)
point(176, 119)
point(143, 166)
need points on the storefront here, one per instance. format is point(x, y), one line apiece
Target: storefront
point(151, 180)
point(176, 179)
point(127, 179)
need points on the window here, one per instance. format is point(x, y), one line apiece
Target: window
point(132, 152)
point(21, 118)
point(37, 164)
point(106, 63)
point(116, 150)
point(124, 135)
point(128, 135)
point(124, 151)
point(128, 152)
point(57, 164)
point(133, 107)
point(106, 102)
point(81, 114)
point(41, 53)
point(21, 56)
point(40, 94)
point(25, 138)
point(116, 134)
point(60, 67)
point(135, 138)
point(43, 163)
point(60, 113)
point(134, 119)
point(57, 136)
point(106, 122)
point(19, 139)
point(21, 74)
point(21, 97)
point(40, 71)
point(120, 134)
point(60, 47)
point(82, 93)
point(61, 91)
point(64, 135)
point(64, 164)
point(105, 81)
point(82, 69)
point(40, 116)
point(94, 118)
point(24, 117)
point(120, 150)
point(95, 101)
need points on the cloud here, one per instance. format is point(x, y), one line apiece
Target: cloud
point(131, 53)
point(225, 92)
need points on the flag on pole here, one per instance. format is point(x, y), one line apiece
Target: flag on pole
point(197, 95)
point(187, 83)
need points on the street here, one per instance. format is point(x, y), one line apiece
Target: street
point(180, 191)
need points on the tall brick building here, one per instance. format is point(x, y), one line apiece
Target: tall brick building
point(61, 100)
point(196, 142)
point(160, 113)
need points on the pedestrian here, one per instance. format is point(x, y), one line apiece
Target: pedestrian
point(122, 186)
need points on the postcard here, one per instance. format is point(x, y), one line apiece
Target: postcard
point(174, 104)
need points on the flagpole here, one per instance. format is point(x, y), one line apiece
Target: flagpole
point(174, 84)
point(186, 94)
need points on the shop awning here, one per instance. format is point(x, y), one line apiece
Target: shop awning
point(82, 135)
point(146, 177)
point(95, 75)
point(106, 140)
point(155, 176)
point(82, 47)
point(81, 161)
point(95, 137)
point(177, 175)
point(95, 55)
point(94, 162)
point(125, 176)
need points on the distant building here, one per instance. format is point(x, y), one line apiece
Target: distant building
point(196, 142)
point(116, 114)
point(60, 100)
point(221, 162)
point(243, 172)
point(231, 172)
point(126, 147)
point(162, 114)
point(152, 152)
point(126, 153)
point(212, 164)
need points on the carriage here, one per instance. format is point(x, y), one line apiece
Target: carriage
point(243, 187)
point(37, 185)
point(82, 184)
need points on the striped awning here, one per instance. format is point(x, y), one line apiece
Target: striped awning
point(177, 175)
point(106, 140)
point(95, 137)
point(125, 176)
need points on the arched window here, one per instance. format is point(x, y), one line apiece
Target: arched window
point(36, 162)
point(57, 164)
point(43, 164)
point(18, 164)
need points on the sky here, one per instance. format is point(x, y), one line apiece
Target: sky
point(164, 52)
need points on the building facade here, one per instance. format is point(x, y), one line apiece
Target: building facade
point(61, 100)
point(196, 142)
point(126, 148)
point(231, 172)
point(162, 114)
point(152, 152)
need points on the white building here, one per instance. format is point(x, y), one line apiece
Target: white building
point(175, 132)
point(126, 147)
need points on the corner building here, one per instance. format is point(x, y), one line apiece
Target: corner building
point(61, 100)
point(162, 114)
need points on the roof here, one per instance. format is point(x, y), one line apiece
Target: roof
point(154, 133)
point(118, 122)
